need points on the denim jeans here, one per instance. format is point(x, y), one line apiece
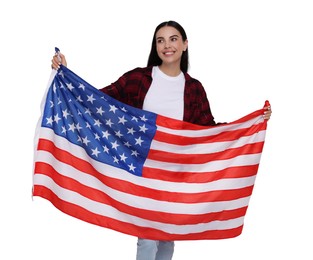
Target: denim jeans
point(154, 249)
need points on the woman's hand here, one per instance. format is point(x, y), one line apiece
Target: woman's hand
point(57, 60)
point(267, 112)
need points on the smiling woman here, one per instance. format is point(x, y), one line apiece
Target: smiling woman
point(163, 87)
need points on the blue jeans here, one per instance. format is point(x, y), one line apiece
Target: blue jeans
point(154, 249)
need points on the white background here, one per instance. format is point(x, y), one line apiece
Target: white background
point(243, 52)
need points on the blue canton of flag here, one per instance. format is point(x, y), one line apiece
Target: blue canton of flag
point(109, 131)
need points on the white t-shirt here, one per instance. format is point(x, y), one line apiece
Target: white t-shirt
point(166, 95)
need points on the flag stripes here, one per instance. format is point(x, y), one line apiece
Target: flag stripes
point(194, 183)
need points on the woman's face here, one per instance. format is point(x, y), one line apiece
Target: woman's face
point(170, 45)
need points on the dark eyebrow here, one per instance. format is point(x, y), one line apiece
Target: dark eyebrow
point(170, 37)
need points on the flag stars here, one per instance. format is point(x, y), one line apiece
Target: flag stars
point(113, 108)
point(130, 131)
point(49, 120)
point(122, 120)
point(81, 86)
point(115, 160)
point(115, 145)
point(143, 128)
point(123, 157)
point(118, 134)
point(90, 98)
point(139, 141)
point(143, 118)
point(57, 118)
point(135, 153)
point(109, 122)
point(106, 134)
point(100, 110)
point(65, 113)
point(87, 111)
point(71, 127)
point(131, 167)
point(97, 122)
point(85, 141)
point(79, 99)
point(95, 152)
point(69, 86)
point(106, 149)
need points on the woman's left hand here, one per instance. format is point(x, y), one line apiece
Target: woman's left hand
point(267, 113)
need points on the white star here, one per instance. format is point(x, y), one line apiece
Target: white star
point(143, 128)
point(51, 104)
point(113, 108)
point(54, 88)
point(109, 122)
point(57, 118)
point(122, 120)
point(95, 152)
point(118, 133)
point(100, 110)
point(63, 130)
point(87, 125)
point(71, 127)
point(86, 141)
point(78, 127)
point(132, 167)
point(97, 137)
point(123, 109)
point(69, 86)
point(105, 149)
point(49, 120)
point(130, 131)
point(139, 141)
point(115, 145)
point(65, 113)
point(135, 153)
point(79, 99)
point(90, 98)
point(106, 134)
point(123, 157)
point(127, 144)
point(115, 159)
point(97, 123)
point(81, 86)
point(88, 111)
point(134, 119)
point(143, 118)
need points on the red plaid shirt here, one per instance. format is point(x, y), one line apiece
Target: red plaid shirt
point(132, 87)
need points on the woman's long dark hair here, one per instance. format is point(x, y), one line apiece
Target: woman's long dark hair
point(154, 59)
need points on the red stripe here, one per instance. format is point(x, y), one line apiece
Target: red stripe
point(221, 137)
point(182, 125)
point(141, 191)
point(102, 197)
point(130, 229)
point(200, 177)
point(204, 158)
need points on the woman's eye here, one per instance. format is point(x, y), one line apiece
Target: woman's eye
point(160, 41)
point(174, 39)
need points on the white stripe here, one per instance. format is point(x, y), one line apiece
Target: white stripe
point(204, 148)
point(241, 160)
point(213, 130)
point(139, 201)
point(108, 211)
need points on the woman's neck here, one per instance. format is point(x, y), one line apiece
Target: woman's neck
point(170, 70)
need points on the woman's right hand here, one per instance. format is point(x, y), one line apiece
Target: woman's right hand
point(57, 60)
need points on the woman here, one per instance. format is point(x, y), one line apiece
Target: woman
point(163, 87)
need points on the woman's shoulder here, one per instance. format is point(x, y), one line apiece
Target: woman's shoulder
point(139, 71)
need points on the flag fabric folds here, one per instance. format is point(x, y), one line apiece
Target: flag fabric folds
point(140, 173)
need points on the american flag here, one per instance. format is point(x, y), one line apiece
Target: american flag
point(140, 173)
